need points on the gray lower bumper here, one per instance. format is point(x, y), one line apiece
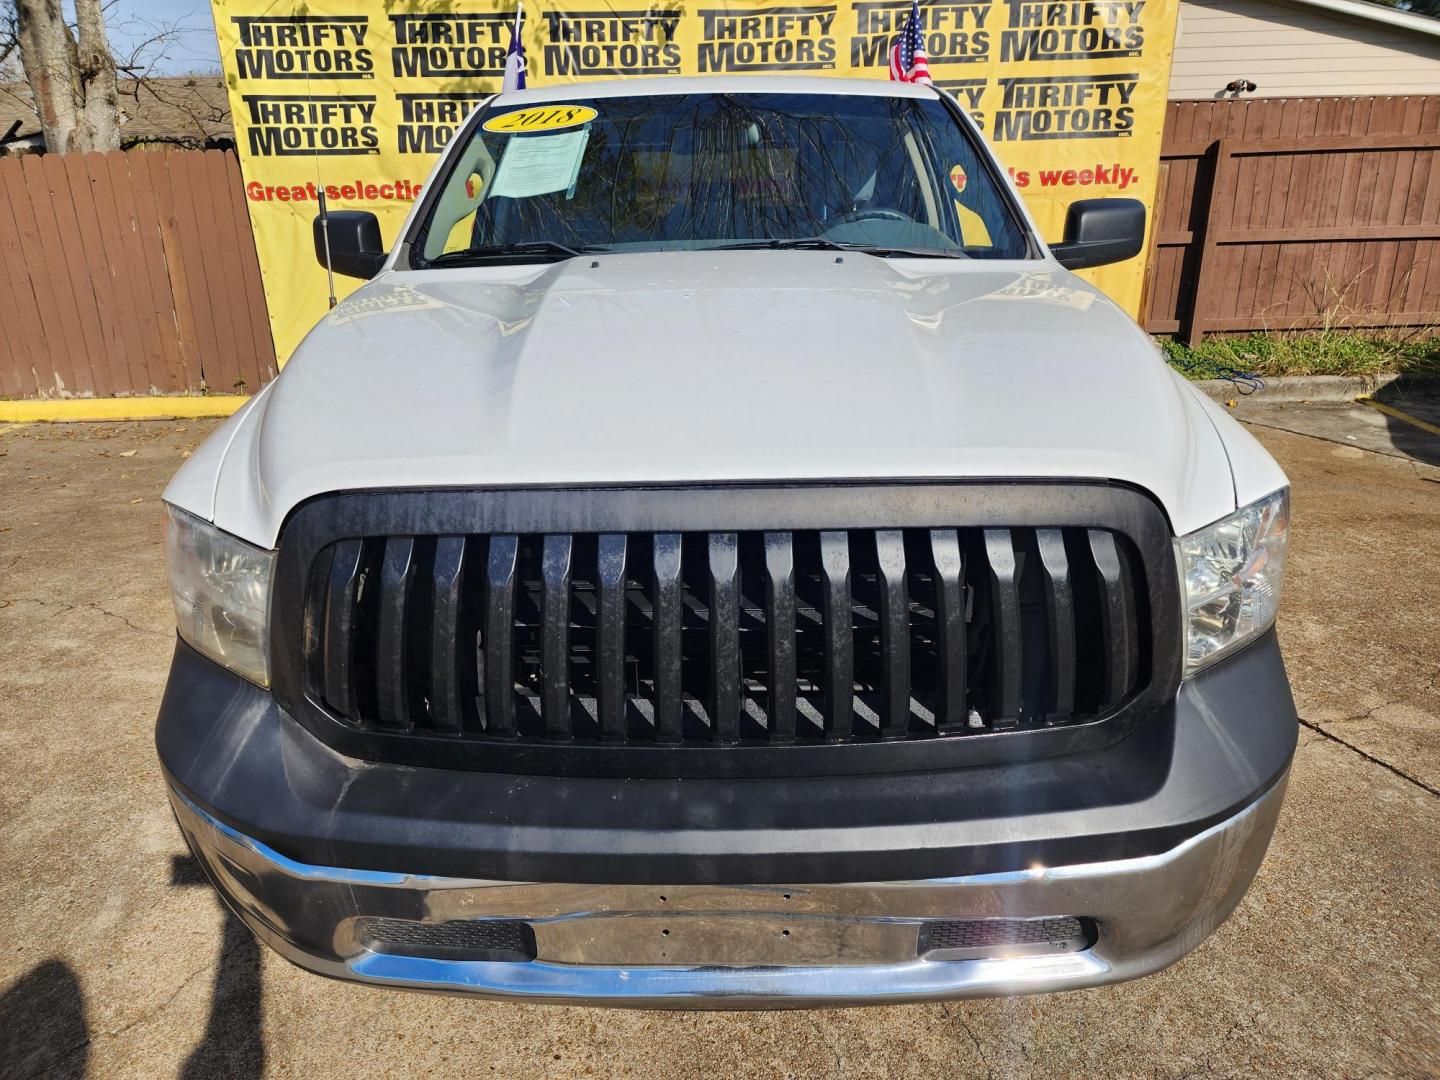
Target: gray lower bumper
point(753, 946)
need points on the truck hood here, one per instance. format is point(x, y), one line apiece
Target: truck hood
point(675, 367)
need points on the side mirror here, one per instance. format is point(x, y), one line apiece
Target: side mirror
point(1101, 231)
point(356, 249)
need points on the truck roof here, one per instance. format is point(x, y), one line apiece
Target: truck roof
point(715, 84)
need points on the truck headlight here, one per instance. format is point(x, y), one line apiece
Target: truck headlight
point(1232, 572)
point(221, 589)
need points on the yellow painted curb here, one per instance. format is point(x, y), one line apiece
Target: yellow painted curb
point(1390, 410)
point(59, 410)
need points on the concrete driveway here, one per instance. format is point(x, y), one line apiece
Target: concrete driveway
point(116, 960)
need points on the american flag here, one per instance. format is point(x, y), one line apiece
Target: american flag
point(907, 55)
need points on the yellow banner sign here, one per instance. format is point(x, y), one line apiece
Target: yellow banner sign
point(356, 99)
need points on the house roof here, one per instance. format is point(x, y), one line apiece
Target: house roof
point(1376, 13)
point(185, 110)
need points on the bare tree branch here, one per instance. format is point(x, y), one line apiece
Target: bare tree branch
point(9, 34)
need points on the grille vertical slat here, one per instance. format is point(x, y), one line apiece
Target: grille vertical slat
point(839, 686)
point(448, 653)
point(1060, 616)
point(1005, 633)
point(894, 632)
point(668, 611)
point(556, 555)
point(499, 635)
point(1119, 641)
point(341, 608)
point(950, 707)
point(312, 626)
point(610, 633)
point(392, 677)
point(724, 600)
point(780, 634)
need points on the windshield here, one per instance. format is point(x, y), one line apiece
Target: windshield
point(890, 175)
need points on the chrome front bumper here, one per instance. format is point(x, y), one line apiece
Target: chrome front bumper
point(761, 946)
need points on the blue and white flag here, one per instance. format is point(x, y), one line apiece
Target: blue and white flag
point(514, 58)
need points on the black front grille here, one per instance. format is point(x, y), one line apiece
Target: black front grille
point(696, 639)
point(723, 638)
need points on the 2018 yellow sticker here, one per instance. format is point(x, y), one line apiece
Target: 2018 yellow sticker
point(541, 118)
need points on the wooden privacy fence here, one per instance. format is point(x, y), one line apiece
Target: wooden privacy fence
point(129, 273)
point(1297, 214)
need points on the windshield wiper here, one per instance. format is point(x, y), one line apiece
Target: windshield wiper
point(474, 255)
point(885, 252)
point(819, 243)
point(794, 243)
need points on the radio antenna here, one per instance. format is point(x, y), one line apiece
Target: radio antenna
point(325, 232)
point(324, 213)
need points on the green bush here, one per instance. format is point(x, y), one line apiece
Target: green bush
point(1329, 353)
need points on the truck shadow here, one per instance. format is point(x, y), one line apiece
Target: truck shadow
point(43, 1026)
point(233, 1045)
point(1419, 398)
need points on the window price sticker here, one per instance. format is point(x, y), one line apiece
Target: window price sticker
point(539, 165)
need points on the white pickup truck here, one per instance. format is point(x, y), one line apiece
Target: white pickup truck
point(723, 557)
